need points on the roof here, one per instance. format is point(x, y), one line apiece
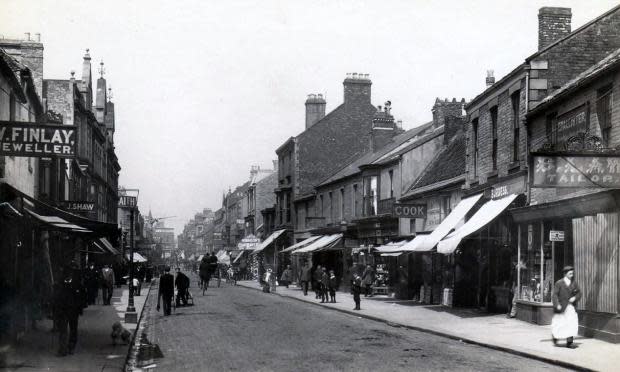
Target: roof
point(449, 163)
point(607, 63)
point(398, 142)
point(12, 70)
point(408, 145)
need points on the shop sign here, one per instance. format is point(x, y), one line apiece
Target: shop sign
point(514, 186)
point(127, 201)
point(571, 124)
point(409, 210)
point(27, 139)
point(576, 171)
point(556, 236)
point(77, 206)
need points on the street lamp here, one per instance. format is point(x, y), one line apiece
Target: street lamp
point(128, 199)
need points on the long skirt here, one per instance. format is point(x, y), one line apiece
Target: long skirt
point(565, 324)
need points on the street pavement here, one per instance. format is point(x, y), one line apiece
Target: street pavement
point(94, 350)
point(233, 328)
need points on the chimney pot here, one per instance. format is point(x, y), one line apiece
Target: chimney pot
point(38, 36)
point(27, 36)
point(490, 80)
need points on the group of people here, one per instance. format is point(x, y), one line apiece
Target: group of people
point(323, 281)
point(167, 284)
point(208, 267)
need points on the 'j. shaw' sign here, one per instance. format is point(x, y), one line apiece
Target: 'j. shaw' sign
point(37, 140)
point(576, 171)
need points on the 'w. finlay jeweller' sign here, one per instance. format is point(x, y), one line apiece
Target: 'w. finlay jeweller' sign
point(37, 140)
point(561, 170)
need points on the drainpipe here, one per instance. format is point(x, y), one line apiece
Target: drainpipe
point(527, 137)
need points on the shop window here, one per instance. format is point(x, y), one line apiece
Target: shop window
point(603, 113)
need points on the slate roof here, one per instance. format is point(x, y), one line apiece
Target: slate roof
point(398, 142)
point(448, 163)
point(585, 77)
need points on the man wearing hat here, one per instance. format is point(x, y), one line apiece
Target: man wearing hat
point(166, 290)
point(565, 322)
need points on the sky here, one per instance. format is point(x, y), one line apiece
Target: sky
point(205, 89)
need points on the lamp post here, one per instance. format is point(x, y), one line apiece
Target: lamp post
point(130, 202)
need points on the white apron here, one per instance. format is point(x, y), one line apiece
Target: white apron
point(566, 324)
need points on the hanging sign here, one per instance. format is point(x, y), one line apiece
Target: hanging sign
point(576, 171)
point(556, 236)
point(25, 139)
point(409, 210)
point(127, 201)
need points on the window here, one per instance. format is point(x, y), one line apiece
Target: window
point(493, 113)
point(12, 104)
point(603, 112)
point(331, 207)
point(354, 200)
point(474, 126)
point(322, 205)
point(550, 128)
point(342, 204)
point(370, 196)
point(516, 101)
point(391, 174)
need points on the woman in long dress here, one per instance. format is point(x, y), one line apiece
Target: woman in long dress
point(565, 322)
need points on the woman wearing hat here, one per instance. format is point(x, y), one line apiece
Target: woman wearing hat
point(566, 293)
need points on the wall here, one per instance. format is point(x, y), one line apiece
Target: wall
point(414, 161)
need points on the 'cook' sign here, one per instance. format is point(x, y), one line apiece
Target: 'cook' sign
point(37, 140)
point(409, 210)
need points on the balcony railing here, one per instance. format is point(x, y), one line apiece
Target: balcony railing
point(385, 206)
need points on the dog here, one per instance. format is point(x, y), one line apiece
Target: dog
point(119, 332)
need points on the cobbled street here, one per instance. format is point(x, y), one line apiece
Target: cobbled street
point(239, 329)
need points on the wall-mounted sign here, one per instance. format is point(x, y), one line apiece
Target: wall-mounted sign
point(78, 206)
point(505, 188)
point(576, 171)
point(409, 210)
point(37, 140)
point(127, 201)
point(571, 124)
point(556, 236)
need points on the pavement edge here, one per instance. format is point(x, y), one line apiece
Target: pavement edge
point(132, 350)
point(506, 349)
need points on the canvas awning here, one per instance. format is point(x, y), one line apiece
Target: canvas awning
point(137, 257)
point(447, 225)
point(393, 254)
point(391, 247)
point(323, 243)
point(200, 257)
point(268, 241)
point(487, 213)
point(414, 245)
point(106, 245)
point(56, 223)
point(301, 244)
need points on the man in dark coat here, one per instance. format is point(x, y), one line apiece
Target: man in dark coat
point(305, 277)
point(166, 290)
point(68, 301)
point(356, 289)
point(316, 281)
point(107, 284)
point(324, 285)
point(91, 280)
point(368, 278)
point(182, 284)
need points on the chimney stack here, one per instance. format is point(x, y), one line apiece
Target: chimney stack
point(30, 53)
point(553, 24)
point(490, 80)
point(315, 109)
point(448, 114)
point(356, 91)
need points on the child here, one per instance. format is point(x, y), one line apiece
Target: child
point(333, 285)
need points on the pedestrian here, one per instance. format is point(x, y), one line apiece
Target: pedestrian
point(68, 302)
point(182, 284)
point(356, 289)
point(566, 294)
point(305, 277)
point(324, 285)
point(333, 285)
point(285, 278)
point(316, 281)
point(107, 284)
point(204, 271)
point(166, 290)
point(368, 279)
point(91, 280)
point(267, 280)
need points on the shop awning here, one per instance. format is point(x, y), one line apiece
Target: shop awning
point(393, 254)
point(106, 245)
point(415, 244)
point(447, 225)
point(56, 223)
point(392, 247)
point(137, 257)
point(301, 244)
point(200, 257)
point(268, 241)
point(487, 213)
point(323, 243)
